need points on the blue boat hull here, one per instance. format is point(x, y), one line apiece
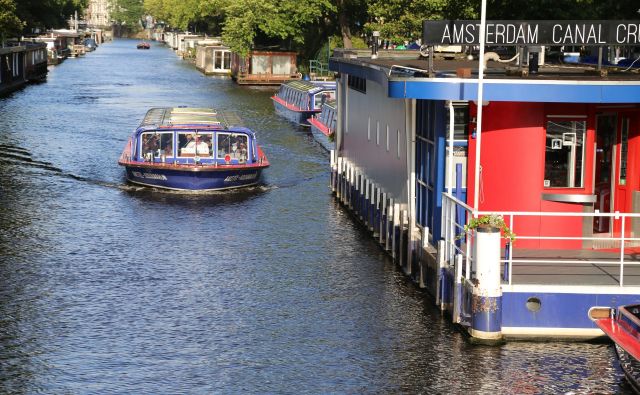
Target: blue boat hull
point(202, 180)
point(322, 138)
point(299, 117)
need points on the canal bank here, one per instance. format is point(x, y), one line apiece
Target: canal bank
point(274, 290)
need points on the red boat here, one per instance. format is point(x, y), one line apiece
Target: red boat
point(143, 45)
point(623, 328)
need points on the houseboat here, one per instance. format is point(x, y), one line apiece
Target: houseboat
point(192, 149)
point(298, 101)
point(426, 145)
point(323, 125)
point(12, 71)
point(35, 61)
point(213, 58)
point(264, 68)
point(623, 328)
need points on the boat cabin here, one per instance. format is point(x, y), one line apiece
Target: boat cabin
point(264, 68)
point(307, 95)
point(191, 136)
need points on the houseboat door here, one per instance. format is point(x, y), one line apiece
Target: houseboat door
point(605, 143)
point(612, 182)
point(623, 184)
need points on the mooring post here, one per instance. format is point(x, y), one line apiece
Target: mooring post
point(486, 306)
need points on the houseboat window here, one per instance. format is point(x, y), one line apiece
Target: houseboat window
point(369, 129)
point(387, 138)
point(398, 143)
point(260, 64)
point(357, 83)
point(233, 146)
point(377, 132)
point(281, 64)
point(564, 154)
point(624, 151)
point(192, 144)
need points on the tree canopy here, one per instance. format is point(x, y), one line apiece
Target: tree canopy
point(242, 23)
point(126, 12)
point(50, 14)
point(9, 21)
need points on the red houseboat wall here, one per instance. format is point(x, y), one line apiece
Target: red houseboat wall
point(513, 170)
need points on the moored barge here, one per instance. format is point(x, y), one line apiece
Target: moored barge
point(192, 149)
point(323, 125)
point(297, 101)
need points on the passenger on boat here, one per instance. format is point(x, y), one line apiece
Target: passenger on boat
point(150, 143)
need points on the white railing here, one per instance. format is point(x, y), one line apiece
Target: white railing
point(456, 243)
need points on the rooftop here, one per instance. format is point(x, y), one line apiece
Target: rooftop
point(454, 77)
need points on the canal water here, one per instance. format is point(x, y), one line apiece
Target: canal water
point(111, 288)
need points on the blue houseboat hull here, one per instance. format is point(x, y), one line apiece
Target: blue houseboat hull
point(322, 138)
point(194, 180)
point(297, 116)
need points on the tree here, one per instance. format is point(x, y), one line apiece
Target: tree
point(49, 14)
point(127, 12)
point(9, 21)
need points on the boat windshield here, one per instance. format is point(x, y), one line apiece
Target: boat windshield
point(233, 146)
point(192, 144)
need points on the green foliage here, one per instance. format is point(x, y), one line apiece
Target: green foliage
point(492, 221)
point(307, 26)
point(50, 14)
point(9, 21)
point(127, 12)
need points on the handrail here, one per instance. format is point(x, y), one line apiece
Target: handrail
point(457, 243)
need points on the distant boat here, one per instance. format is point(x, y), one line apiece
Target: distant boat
point(298, 100)
point(323, 125)
point(143, 45)
point(192, 149)
point(623, 328)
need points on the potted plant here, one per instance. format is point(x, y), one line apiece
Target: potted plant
point(491, 221)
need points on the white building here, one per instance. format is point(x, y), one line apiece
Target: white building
point(97, 13)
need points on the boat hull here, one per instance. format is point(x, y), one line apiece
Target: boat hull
point(623, 329)
point(294, 115)
point(194, 180)
point(319, 133)
point(630, 366)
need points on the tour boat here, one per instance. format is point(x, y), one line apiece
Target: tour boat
point(192, 149)
point(623, 328)
point(143, 45)
point(298, 100)
point(323, 125)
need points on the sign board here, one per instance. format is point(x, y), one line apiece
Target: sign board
point(450, 32)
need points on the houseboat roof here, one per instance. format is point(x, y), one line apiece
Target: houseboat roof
point(309, 86)
point(456, 78)
point(182, 116)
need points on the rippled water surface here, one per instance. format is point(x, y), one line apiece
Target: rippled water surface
point(110, 288)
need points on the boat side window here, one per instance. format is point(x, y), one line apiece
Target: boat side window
point(166, 144)
point(564, 154)
point(150, 143)
point(233, 146)
point(320, 98)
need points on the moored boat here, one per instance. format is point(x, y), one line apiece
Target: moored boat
point(192, 149)
point(297, 100)
point(323, 125)
point(143, 45)
point(622, 325)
